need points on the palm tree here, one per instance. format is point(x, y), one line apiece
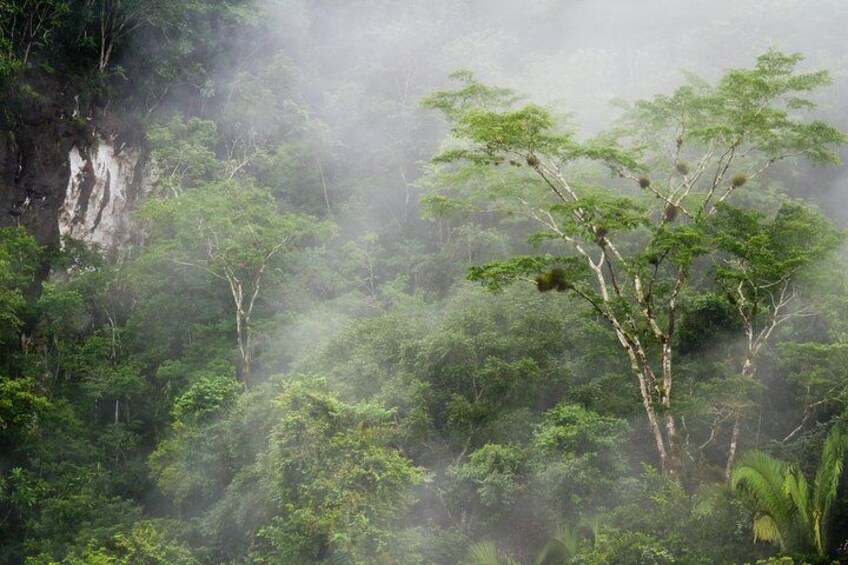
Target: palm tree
point(487, 553)
point(561, 546)
point(761, 477)
point(559, 549)
point(826, 484)
point(789, 512)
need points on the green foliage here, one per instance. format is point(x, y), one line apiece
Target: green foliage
point(817, 368)
point(211, 439)
point(767, 252)
point(291, 473)
point(658, 521)
point(578, 455)
point(748, 107)
point(563, 544)
point(497, 274)
point(792, 513)
point(495, 473)
point(707, 318)
point(28, 27)
point(184, 153)
point(785, 560)
point(206, 398)
point(70, 505)
point(605, 212)
point(489, 131)
point(763, 477)
point(487, 553)
point(21, 408)
point(632, 260)
point(473, 94)
point(19, 256)
point(145, 543)
point(225, 227)
point(447, 416)
point(237, 238)
point(482, 364)
point(333, 472)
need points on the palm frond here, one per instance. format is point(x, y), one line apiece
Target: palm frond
point(826, 483)
point(487, 553)
point(592, 525)
point(795, 486)
point(561, 546)
point(790, 512)
point(766, 529)
point(761, 477)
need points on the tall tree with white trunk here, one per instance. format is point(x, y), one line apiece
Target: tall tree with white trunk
point(236, 235)
point(678, 219)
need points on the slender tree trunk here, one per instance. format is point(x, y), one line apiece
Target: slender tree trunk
point(656, 429)
point(246, 360)
point(731, 452)
point(675, 462)
point(663, 429)
point(243, 343)
point(665, 441)
point(104, 57)
point(748, 370)
point(324, 186)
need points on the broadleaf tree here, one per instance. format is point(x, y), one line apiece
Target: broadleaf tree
point(678, 205)
point(236, 235)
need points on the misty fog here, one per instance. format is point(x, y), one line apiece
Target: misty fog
point(490, 282)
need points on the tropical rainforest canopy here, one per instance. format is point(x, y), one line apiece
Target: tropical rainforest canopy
point(424, 282)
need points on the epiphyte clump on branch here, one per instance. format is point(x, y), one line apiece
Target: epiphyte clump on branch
point(682, 167)
point(644, 182)
point(670, 212)
point(555, 279)
point(738, 180)
point(600, 235)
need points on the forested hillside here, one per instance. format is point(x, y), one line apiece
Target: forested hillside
point(423, 282)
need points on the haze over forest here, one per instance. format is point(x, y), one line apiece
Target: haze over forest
point(488, 282)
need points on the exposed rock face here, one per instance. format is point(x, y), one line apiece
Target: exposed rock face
point(58, 175)
point(104, 184)
point(36, 134)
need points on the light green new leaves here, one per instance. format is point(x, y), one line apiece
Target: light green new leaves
point(488, 131)
point(473, 94)
point(749, 108)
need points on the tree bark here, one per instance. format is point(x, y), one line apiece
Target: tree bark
point(731, 452)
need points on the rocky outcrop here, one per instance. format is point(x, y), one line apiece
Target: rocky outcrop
point(37, 133)
point(60, 175)
point(104, 184)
